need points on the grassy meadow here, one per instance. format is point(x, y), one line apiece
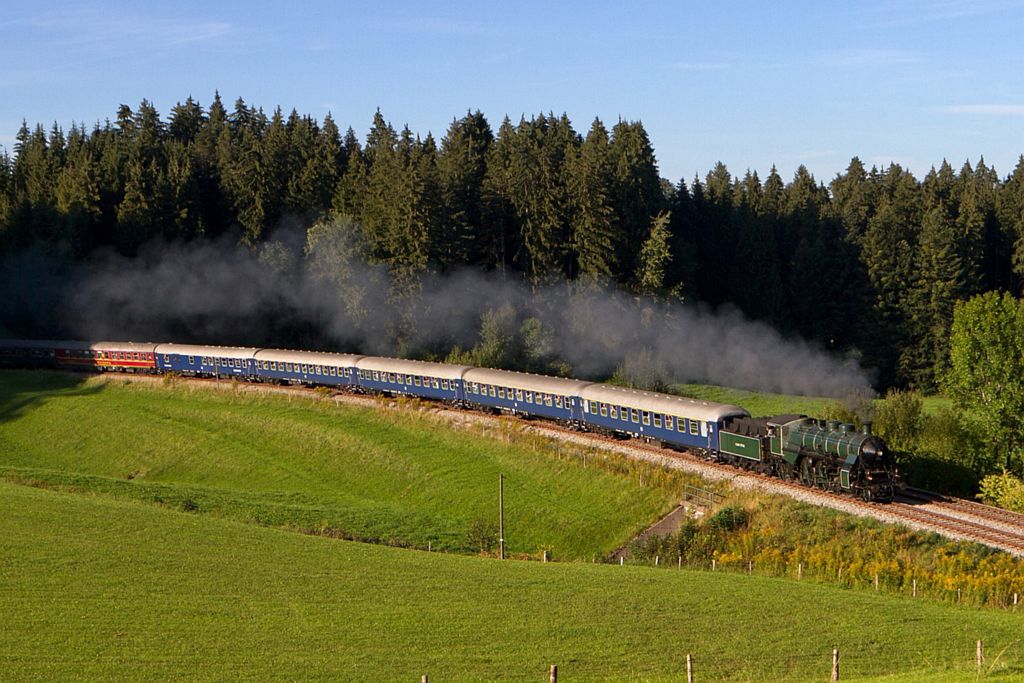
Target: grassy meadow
point(392, 476)
point(761, 404)
point(146, 532)
point(97, 588)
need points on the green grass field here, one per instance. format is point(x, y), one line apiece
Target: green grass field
point(95, 588)
point(397, 476)
point(762, 404)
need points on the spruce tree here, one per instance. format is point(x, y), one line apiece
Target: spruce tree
point(462, 239)
point(595, 235)
point(636, 191)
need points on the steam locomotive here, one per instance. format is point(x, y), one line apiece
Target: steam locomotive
point(825, 455)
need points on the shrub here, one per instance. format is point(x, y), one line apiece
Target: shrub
point(898, 419)
point(482, 535)
point(728, 519)
point(1004, 490)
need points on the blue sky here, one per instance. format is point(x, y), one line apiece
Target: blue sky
point(750, 84)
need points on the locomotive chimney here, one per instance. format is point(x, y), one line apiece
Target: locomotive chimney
point(866, 429)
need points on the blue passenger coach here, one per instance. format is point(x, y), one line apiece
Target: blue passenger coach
point(419, 378)
point(524, 393)
point(306, 367)
point(673, 419)
point(207, 361)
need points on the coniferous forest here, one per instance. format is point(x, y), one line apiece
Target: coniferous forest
point(869, 263)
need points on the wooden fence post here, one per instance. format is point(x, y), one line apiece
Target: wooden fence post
point(657, 559)
point(980, 658)
point(680, 561)
point(545, 555)
point(689, 669)
point(622, 560)
point(1015, 601)
point(958, 595)
point(915, 588)
point(800, 571)
point(424, 678)
point(876, 583)
point(714, 566)
point(553, 677)
point(835, 664)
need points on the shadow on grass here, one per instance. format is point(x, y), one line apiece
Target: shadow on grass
point(22, 390)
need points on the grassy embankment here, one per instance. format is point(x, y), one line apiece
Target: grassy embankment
point(766, 404)
point(396, 476)
point(96, 588)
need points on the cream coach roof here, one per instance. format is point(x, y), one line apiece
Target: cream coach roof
point(526, 381)
point(213, 351)
point(679, 406)
point(344, 360)
point(411, 367)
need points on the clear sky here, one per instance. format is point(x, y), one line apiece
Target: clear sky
point(748, 83)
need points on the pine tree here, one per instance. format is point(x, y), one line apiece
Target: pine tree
point(595, 236)
point(462, 166)
point(636, 194)
point(940, 281)
point(78, 195)
point(186, 121)
point(754, 277)
point(1010, 207)
point(653, 258)
point(679, 276)
point(498, 214)
point(889, 252)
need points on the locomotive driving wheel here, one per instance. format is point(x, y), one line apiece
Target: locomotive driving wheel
point(807, 472)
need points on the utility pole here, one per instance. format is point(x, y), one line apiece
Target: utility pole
point(501, 516)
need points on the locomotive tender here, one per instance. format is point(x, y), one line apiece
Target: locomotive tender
point(824, 455)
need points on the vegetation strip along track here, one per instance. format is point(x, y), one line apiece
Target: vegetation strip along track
point(990, 526)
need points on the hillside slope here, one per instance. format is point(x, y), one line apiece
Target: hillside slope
point(94, 588)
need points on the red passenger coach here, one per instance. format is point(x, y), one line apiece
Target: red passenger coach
point(118, 356)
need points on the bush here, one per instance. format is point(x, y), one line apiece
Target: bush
point(1004, 490)
point(898, 419)
point(728, 519)
point(482, 535)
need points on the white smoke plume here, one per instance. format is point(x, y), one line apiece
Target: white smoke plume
point(327, 297)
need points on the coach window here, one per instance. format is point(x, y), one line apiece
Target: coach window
point(547, 400)
point(604, 410)
point(634, 414)
point(657, 419)
point(501, 392)
point(191, 360)
point(693, 427)
point(668, 422)
point(647, 417)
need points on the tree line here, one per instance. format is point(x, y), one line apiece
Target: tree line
point(871, 263)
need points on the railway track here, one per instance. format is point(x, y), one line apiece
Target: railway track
point(953, 518)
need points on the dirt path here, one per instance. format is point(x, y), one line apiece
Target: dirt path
point(669, 524)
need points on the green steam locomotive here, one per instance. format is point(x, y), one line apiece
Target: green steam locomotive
point(827, 455)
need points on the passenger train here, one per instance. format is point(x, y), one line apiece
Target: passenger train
point(825, 455)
